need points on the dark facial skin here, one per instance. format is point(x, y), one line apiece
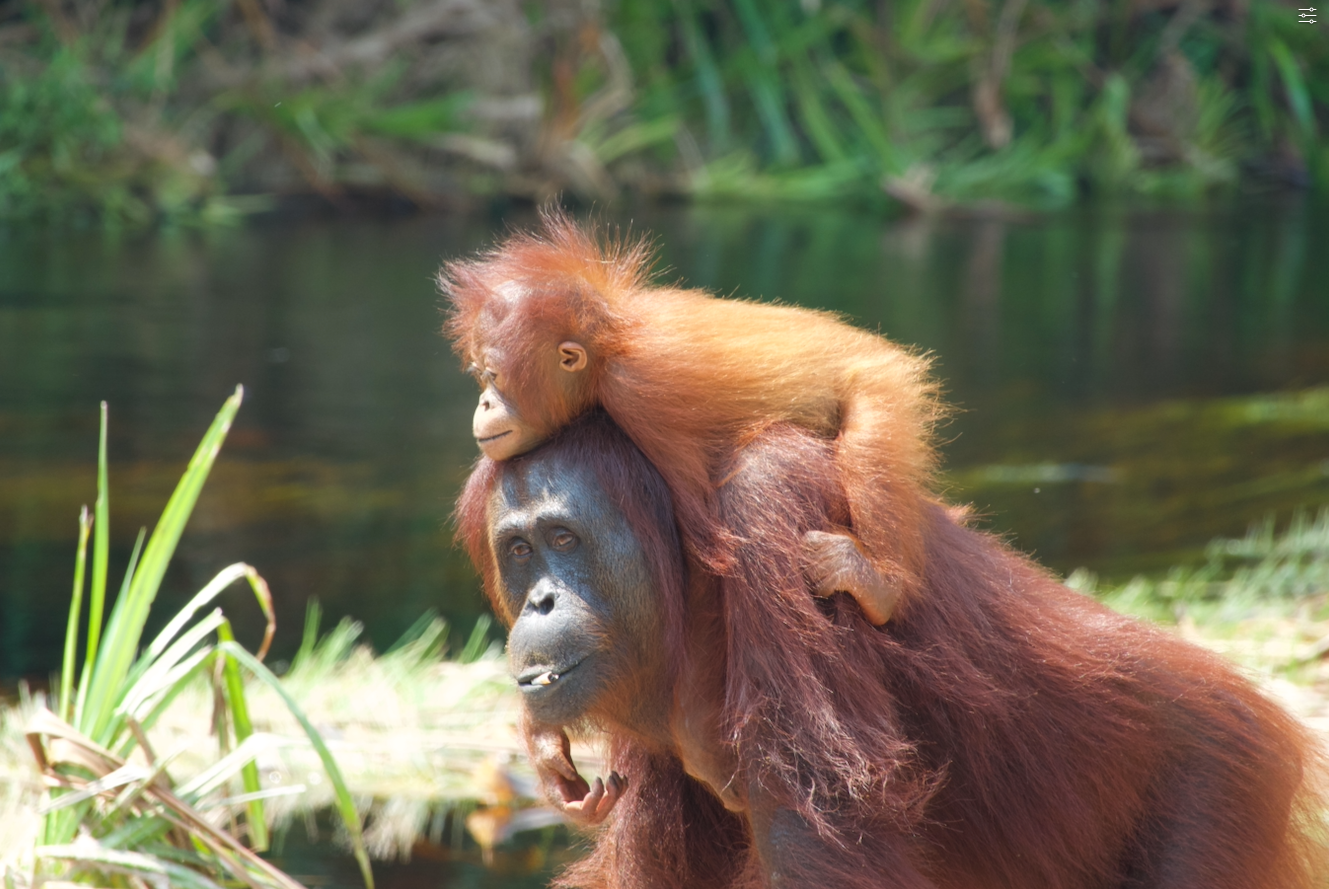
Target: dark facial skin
point(499, 428)
point(578, 593)
point(586, 643)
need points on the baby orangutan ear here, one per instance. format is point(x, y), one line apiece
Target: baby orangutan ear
point(571, 356)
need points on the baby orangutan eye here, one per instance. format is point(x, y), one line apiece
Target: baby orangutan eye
point(481, 375)
point(562, 539)
point(519, 550)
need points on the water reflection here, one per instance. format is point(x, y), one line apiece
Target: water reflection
point(1104, 341)
point(449, 859)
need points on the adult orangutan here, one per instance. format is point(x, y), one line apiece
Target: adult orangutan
point(1001, 732)
point(554, 324)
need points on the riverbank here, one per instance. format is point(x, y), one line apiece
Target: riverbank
point(429, 749)
point(432, 756)
point(205, 111)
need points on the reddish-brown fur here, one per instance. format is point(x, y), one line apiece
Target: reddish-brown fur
point(1003, 732)
point(691, 378)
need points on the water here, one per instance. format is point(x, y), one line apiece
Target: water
point(1093, 358)
point(1129, 384)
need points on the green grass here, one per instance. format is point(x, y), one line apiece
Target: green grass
point(117, 806)
point(1239, 576)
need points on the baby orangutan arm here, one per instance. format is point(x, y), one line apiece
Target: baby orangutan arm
point(834, 564)
point(585, 804)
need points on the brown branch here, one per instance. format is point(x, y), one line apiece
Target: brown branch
point(988, 105)
point(426, 21)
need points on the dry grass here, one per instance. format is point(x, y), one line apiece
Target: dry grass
point(420, 738)
point(417, 738)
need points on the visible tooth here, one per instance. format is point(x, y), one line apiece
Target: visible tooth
point(544, 679)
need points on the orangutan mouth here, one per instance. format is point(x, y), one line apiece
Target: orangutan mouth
point(546, 678)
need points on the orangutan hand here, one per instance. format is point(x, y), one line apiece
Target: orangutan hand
point(585, 804)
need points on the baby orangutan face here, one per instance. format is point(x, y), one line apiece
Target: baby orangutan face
point(501, 429)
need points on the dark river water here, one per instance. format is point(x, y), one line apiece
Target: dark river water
point(1129, 384)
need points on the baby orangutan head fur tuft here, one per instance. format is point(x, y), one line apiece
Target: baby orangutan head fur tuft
point(535, 323)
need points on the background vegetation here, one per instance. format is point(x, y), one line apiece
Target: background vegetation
point(136, 110)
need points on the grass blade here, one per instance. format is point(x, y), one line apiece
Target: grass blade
point(174, 683)
point(869, 122)
point(131, 610)
point(1298, 96)
point(816, 122)
point(86, 681)
point(345, 805)
point(221, 771)
point(709, 79)
point(764, 81)
point(478, 642)
point(244, 729)
point(75, 611)
point(101, 536)
point(150, 869)
point(164, 672)
point(224, 578)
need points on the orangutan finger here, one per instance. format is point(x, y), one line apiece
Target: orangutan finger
point(574, 790)
point(613, 791)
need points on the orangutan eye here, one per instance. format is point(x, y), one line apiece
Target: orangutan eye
point(562, 539)
point(519, 550)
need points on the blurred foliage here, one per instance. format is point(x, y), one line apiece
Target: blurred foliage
point(1264, 566)
point(134, 112)
point(144, 109)
point(1034, 101)
point(82, 126)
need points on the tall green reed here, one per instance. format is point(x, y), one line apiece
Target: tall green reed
point(114, 808)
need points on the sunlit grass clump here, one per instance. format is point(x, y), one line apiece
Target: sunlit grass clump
point(116, 811)
point(1262, 568)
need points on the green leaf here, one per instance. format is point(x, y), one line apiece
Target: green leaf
point(709, 78)
point(153, 869)
point(101, 536)
point(345, 805)
point(1298, 97)
point(812, 112)
point(244, 729)
point(131, 609)
point(75, 611)
point(478, 641)
point(422, 119)
point(635, 137)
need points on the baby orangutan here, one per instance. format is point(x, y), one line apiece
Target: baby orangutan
point(554, 324)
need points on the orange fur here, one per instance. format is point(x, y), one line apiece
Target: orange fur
point(1004, 733)
point(691, 378)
